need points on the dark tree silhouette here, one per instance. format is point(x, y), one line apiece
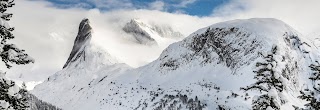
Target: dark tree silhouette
point(11, 96)
point(312, 95)
point(268, 81)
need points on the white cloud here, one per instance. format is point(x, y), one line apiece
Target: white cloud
point(184, 3)
point(303, 15)
point(37, 28)
point(157, 5)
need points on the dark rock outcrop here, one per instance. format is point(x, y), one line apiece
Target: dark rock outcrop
point(80, 43)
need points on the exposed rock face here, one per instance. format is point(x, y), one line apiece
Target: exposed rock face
point(150, 34)
point(80, 43)
point(233, 45)
point(135, 28)
point(85, 54)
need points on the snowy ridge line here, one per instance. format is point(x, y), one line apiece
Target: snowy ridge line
point(150, 34)
point(236, 64)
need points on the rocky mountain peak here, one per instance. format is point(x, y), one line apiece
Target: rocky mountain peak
point(80, 43)
point(150, 34)
point(235, 44)
point(139, 31)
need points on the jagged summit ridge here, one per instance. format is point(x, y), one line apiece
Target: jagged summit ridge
point(148, 34)
point(135, 28)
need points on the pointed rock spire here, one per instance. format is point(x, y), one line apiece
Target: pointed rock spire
point(80, 43)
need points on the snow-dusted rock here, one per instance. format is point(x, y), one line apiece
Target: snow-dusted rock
point(84, 53)
point(150, 34)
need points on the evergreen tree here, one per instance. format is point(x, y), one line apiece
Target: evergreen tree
point(23, 96)
point(9, 53)
point(312, 95)
point(11, 96)
point(36, 104)
point(269, 82)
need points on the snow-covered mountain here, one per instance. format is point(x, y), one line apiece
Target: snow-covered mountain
point(150, 34)
point(85, 60)
point(213, 68)
point(85, 54)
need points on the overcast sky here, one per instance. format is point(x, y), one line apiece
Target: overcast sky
point(46, 28)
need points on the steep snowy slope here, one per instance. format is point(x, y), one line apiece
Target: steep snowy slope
point(86, 63)
point(150, 34)
point(211, 69)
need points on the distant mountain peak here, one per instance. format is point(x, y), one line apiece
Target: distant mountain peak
point(150, 34)
point(84, 51)
point(138, 22)
point(138, 30)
